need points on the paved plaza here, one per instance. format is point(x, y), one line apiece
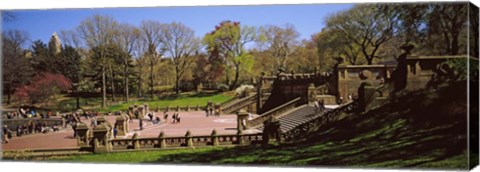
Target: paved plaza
point(195, 121)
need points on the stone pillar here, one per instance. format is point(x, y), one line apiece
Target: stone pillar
point(141, 112)
point(240, 137)
point(146, 109)
point(188, 139)
point(161, 140)
point(215, 138)
point(82, 135)
point(101, 120)
point(101, 136)
point(135, 142)
point(271, 131)
point(121, 125)
point(242, 117)
point(312, 93)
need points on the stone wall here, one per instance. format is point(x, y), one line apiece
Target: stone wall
point(350, 77)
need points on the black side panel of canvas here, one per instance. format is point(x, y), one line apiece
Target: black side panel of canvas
point(474, 86)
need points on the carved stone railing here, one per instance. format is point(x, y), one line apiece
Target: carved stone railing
point(240, 103)
point(184, 141)
point(314, 124)
point(275, 112)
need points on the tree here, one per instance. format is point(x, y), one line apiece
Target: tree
point(180, 44)
point(127, 38)
point(98, 31)
point(366, 26)
point(229, 40)
point(152, 38)
point(16, 70)
point(43, 87)
point(72, 69)
point(331, 45)
point(280, 42)
point(448, 20)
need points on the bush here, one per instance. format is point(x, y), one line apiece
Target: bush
point(222, 87)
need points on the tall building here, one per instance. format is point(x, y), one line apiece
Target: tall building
point(54, 43)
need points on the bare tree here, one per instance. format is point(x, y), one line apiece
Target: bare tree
point(280, 42)
point(152, 37)
point(365, 26)
point(180, 44)
point(127, 39)
point(98, 31)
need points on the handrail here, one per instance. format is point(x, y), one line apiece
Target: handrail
point(272, 113)
point(313, 124)
point(240, 103)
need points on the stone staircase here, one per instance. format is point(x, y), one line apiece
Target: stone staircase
point(297, 116)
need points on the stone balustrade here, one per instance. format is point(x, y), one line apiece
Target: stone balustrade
point(188, 140)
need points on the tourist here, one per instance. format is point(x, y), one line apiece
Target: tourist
point(74, 127)
point(250, 116)
point(244, 124)
point(174, 117)
point(156, 121)
point(5, 133)
point(150, 115)
point(350, 98)
point(115, 132)
point(140, 124)
point(178, 117)
point(94, 122)
point(165, 115)
point(19, 130)
point(316, 105)
point(322, 105)
point(206, 111)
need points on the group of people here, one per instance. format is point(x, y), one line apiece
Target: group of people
point(25, 113)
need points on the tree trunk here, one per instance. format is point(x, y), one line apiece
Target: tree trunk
point(104, 90)
point(78, 97)
point(112, 82)
point(9, 92)
point(237, 74)
point(177, 82)
point(125, 72)
point(151, 79)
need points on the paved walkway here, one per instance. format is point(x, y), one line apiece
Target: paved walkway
point(195, 121)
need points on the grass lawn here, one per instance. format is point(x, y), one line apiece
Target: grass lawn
point(172, 101)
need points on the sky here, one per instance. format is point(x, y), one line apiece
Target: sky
point(307, 19)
